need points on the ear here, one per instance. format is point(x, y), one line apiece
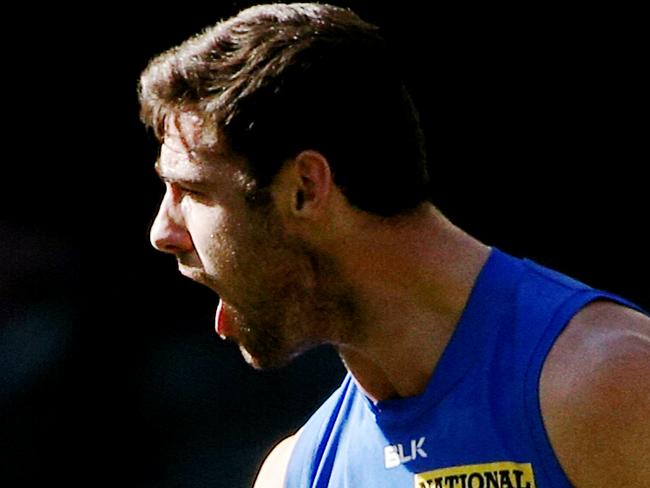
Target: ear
point(304, 185)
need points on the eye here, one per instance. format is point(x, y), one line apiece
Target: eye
point(194, 193)
point(182, 189)
point(188, 191)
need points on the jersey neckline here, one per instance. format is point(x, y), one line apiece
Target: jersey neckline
point(495, 284)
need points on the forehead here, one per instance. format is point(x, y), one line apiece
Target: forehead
point(183, 152)
point(183, 130)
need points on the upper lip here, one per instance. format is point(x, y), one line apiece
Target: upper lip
point(196, 275)
point(186, 270)
point(192, 273)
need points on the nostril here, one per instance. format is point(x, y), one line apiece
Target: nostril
point(163, 241)
point(167, 236)
point(158, 243)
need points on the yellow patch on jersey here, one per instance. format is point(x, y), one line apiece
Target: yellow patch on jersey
point(491, 475)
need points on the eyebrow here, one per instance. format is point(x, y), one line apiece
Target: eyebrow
point(170, 179)
point(159, 172)
point(156, 166)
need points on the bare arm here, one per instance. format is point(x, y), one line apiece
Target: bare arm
point(595, 396)
point(274, 469)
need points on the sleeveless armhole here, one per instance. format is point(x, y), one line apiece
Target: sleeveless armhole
point(550, 464)
point(306, 468)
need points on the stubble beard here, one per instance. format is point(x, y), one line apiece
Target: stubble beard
point(312, 307)
point(293, 308)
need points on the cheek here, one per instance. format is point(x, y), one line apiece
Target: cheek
point(208, 228)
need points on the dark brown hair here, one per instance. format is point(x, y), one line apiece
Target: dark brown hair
point(281, 78)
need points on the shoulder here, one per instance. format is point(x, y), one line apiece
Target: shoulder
point(274, 469)
point(595, 396)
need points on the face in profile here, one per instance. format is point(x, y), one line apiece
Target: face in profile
point(271, 301)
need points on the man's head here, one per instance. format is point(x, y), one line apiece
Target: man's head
point(281, 78)
point(275, 126)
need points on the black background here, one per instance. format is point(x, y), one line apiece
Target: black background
point(110, 372)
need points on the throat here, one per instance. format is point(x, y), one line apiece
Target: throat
point(371, 378)
point(395, 370)
point(404, 342)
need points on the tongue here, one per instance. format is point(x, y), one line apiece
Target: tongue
point(221, 321)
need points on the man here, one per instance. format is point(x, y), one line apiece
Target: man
point(297, 189)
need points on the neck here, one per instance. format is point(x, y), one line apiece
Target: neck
point(411, 282)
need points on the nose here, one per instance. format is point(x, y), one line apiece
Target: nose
point(168, 232)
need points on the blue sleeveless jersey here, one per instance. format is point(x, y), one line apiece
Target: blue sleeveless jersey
point(478, 423)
